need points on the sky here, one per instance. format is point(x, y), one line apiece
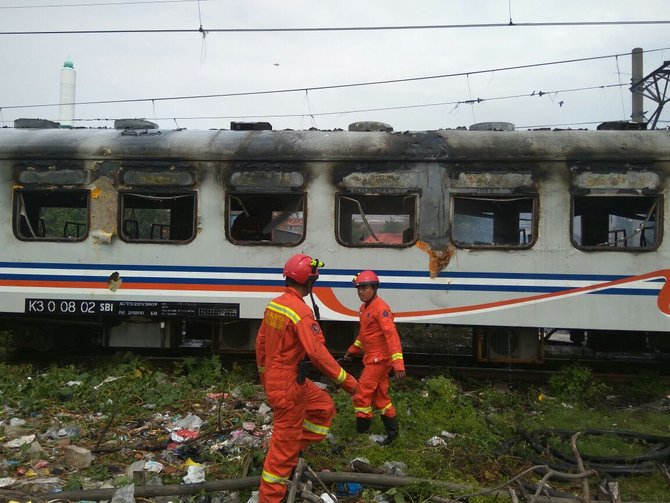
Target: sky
point(450, 75)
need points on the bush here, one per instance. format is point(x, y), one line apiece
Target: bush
point(577, 384)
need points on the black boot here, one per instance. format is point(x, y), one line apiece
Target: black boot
point(392, 429)
point(363, 424)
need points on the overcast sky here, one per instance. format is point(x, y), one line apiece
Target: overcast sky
point(135, 66)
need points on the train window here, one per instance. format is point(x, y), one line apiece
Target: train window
point(166, 217)
point(619, 222)
point(51, 215)
point(266, 218)
point(377, 219)
point(493, 221)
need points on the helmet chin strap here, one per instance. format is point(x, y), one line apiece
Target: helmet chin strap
point(315, 307)
point(302, 366)
point(315, 264)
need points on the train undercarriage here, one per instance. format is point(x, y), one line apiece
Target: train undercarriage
point(518, 345)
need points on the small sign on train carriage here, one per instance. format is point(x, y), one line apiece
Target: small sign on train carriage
point(132, 308)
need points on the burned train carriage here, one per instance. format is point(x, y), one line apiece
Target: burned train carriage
point(152, 238)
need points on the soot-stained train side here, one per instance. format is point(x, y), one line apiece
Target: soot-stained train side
point(140, 237)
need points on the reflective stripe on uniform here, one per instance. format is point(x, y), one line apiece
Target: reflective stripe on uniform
point(341, 377)
point(287, 311)
point(358, 343)
point(271, 478)
point(385, 409)
point(315, 428)
point(363, 410)
point(396, 356)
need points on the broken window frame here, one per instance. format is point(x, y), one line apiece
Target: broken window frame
point(31, 221)
point(158, 231)
point(371, 205)
point(617, 239)
point(260, 218)
point(525, 240)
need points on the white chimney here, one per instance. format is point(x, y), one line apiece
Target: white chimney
point(68, 78)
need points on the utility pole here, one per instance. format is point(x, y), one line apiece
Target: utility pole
point(654, 86)
point(637, 65)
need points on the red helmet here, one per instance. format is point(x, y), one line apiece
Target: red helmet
point(366, 278)
point(301, 268)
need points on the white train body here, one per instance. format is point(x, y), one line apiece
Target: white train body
point(135, 229)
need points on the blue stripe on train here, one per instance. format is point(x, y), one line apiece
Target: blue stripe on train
point(275, 270)
point(332, 284)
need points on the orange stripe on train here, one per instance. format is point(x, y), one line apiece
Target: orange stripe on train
point(142, 286)
point(663, 301)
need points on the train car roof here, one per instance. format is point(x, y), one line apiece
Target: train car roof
point(289, 145)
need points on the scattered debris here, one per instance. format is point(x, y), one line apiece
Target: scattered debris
point(204, 442)
point(49, 455)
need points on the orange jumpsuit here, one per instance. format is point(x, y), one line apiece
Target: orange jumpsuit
point(303, 412)
point(379, 339)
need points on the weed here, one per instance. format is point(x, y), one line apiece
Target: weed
point(7, 345)
point(74, 484)
point(370, 495)
point(653, 487)
point(577, 384)
point(201, 371)
point(96, 472)
point(647, 386)
point(596, 445)
point(442, 388)
point(492, 399)
point(245, 390)
point(121, 480)
point(418, 492)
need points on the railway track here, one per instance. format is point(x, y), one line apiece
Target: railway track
point(607, 367)
point(614, 368)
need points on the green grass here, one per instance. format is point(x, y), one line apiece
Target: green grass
point(124, 395)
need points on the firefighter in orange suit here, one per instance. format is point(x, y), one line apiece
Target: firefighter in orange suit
point(379, 341)
point(302, 411)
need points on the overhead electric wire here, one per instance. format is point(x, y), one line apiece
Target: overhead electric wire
point(377, 109)
point(321, 88)
point(98, 4)
point(399, 107)
point(539, 126)
point(335, 28)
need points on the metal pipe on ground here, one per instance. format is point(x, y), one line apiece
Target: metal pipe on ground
point(368, 479)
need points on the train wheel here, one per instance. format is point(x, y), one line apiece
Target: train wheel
point(659, 341)
point(615, 340)
point(577, 336)
point(509, 344)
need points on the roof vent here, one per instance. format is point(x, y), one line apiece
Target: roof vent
point(492, 126)
point(35, 124)
point(370, 126)
point(250, 126)
point(134, 124)
point(621, 126)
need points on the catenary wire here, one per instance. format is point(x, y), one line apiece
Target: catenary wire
point(321, 88)
point(399, 107)
point(98, 4)
point(377, 109)
point(336, 28)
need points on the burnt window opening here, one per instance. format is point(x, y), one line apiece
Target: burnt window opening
point(266, 218)
point(377, 219)
point(168, 217)
point(51, 215)
point(493, 221)
point(616, 222)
